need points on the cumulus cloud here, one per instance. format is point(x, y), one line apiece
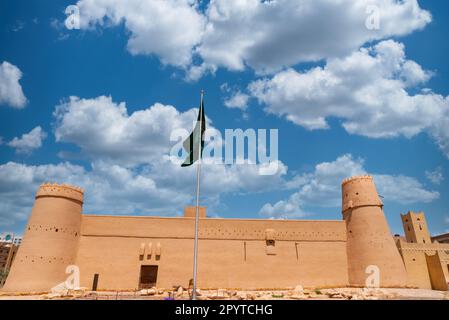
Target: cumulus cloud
point(264, 35)
point(11, 92)
point(436, 176)
point(104, 130)
point(29, 141)
point(110, 189)
point(238, 101)
point(269, 35)
point(368, 90)
point(130, 170)
point(169, 29)
point(162, 188)
point(321, 188)
point(403, 189)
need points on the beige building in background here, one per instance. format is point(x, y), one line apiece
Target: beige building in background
point(426, 261)
point(128, 253)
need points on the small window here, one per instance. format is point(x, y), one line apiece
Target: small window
point(420, 228)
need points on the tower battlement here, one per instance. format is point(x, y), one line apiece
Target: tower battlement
point(60, 190)
point(359, 191)
point(356, 178)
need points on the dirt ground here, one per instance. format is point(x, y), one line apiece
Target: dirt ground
point(223, 294)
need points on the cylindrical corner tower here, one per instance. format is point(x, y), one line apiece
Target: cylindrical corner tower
point(50, 240)
point(369, 240)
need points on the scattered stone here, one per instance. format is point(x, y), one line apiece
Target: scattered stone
point(222, 293)
point(251, 296)
point(198, 293)
point(148, 292)
point(241, 295)
point(298, 297)
point(53, 295)
point(298, 289)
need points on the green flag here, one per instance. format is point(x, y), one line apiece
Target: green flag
point(192, 144)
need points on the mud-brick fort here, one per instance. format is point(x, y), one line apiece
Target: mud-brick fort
point(128, 253)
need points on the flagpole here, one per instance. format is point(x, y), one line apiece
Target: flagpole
point(197, 213)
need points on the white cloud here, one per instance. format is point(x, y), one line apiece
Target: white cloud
point(269, 35)
point(403, 189)
point(10, 89)
point(29, 141)
point(321, 188)
point(110, 189)
point(436, 176)
point(130, 171)
point(104, 130)
point(162, 188)
point(195, 72)
point(169, 29)
point(367, 90)
point(238, 101)
point(265, 35)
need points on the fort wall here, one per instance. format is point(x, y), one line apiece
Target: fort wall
point(414, 257)
point(253, 254)
point(233, 253)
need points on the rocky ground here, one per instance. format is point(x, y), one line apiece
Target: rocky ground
point(298, 293)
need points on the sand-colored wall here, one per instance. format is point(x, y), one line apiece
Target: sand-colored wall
point(417, 265)
point(232, 253)
point(436, 273)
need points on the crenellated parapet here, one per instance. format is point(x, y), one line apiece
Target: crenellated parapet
point(359, 191)
point(60, 190)
point(368, 178)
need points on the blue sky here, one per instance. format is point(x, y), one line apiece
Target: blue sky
point(291, 73)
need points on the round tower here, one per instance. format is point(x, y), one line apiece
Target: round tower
point(369, 240)
point(50, 240)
